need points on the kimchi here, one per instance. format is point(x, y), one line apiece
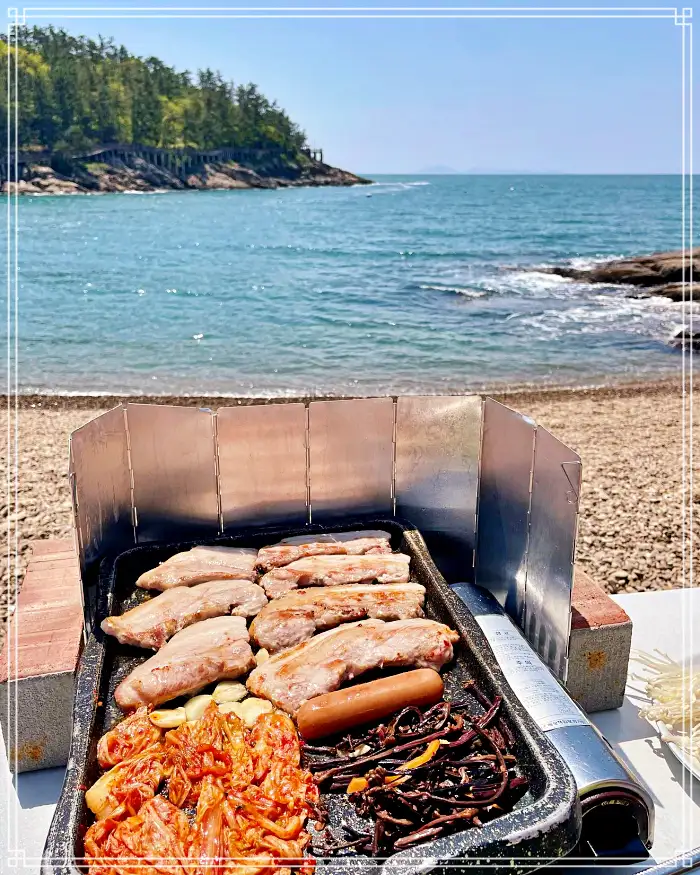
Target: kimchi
point(208, 797)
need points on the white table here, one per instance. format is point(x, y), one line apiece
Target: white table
point(27, 804)
point(656, 618)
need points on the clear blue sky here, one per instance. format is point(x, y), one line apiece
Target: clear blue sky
point(383, 96)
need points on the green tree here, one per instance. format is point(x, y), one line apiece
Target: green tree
point(76, 92)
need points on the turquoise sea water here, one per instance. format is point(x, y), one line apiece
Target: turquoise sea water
point(412, 284)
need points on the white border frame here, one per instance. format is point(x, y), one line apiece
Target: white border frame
point(681, 17)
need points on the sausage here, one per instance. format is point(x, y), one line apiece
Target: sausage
point(353, 706)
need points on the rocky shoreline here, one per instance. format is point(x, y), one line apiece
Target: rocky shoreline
point(666, 274)
point(662, 273)
point(84, 177)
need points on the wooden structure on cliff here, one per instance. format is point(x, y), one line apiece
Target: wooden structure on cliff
point(180, 162)
point(314, 154)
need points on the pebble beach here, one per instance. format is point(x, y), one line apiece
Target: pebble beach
point(629, 438)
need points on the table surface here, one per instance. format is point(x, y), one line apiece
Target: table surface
point(661, 620)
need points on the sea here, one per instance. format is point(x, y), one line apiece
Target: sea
point(412, 284)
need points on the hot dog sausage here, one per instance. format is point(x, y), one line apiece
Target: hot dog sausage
point(343, 709)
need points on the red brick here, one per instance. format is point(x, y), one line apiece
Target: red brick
point(49, 598)
point(48, 618)
point(599, 647)
point(591, 606)
point(41, 584)
point(52, 545)
point(45, 559)
point(46, 629)
point(56, 568)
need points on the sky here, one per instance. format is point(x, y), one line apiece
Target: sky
point(400, 96)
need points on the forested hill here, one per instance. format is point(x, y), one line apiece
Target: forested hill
point(75, 93)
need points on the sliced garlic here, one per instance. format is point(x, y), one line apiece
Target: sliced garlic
point(168, 718)
point(229, 691)
point(196, 706)
point(247, 711)
point(230, 708)
point(262, 656)
point(250, 709)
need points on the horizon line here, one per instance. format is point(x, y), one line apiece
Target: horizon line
point(523, 173)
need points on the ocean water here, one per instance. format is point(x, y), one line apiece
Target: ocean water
point(409, 285)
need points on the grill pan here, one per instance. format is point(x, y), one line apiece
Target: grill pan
point(544, 825)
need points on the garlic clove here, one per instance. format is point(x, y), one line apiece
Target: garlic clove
point(230, 708)
point(196, 706)
point(251, 709)
point(229, 691)
point(168, 718)
point(248, 710)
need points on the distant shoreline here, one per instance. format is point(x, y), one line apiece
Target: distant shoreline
point(48, 401)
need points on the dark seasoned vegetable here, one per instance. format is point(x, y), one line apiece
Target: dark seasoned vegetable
point(422, 774)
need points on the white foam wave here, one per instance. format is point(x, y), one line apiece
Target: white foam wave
point(204, 393)
point(653, 318)
point(584, 262)
point(394, 186)
point(458, 290)
point(154, 191)
point(533, 284)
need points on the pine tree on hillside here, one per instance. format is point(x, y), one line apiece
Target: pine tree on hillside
point(76, 93)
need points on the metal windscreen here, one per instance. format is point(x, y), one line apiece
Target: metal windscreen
point(494, 495)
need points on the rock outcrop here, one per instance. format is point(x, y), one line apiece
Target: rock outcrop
point(659, 274)
point(684, 338)
point(140, 175)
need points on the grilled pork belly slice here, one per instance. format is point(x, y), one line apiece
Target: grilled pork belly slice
point(200, 564)
point(327, 544)
point(321, 665)
point(209, 651)
point(296, 616)
point(336, 571)
point(153, 622)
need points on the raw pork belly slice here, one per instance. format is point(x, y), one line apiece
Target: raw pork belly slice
point(336, 571)
point(321, 665)
point(153, 622)
point(199, 655)
point(200, 564)
point(296, 616)
point(327, 544)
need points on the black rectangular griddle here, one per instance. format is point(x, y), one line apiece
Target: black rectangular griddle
point(544, 825)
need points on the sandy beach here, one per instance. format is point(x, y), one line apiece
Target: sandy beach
point(629, 438)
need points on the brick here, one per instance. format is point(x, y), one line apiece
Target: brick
point(37, 678)
point(55, 557)
point(44, 709)
point(589, 610)
point(599, 647)
point(53, 546)
point(39, 587)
